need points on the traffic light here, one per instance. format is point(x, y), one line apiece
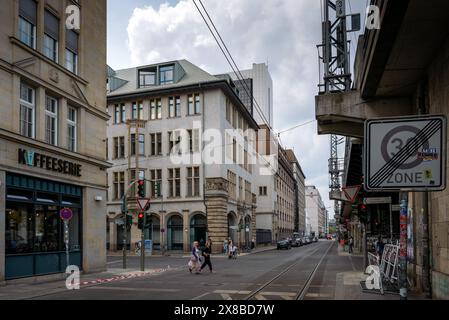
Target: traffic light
point(140, 217)
point(141, 188)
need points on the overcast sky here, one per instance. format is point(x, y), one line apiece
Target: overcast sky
point(282, 33)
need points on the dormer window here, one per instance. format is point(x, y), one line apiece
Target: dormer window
point(147, 78)
point(166, 74)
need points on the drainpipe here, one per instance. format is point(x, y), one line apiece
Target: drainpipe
point(426, 271)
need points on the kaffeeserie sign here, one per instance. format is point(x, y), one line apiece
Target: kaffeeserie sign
point(34, 159)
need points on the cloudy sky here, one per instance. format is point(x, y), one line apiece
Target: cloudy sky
point(282, 33)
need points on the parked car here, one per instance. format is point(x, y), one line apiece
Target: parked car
point(315, 239)
point(284, 244)
point(305, 240)
point(297, 242)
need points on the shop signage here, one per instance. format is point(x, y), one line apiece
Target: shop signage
point(34, 159)
point(406, 153)
point(377, 200)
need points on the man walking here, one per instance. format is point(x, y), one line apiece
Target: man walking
point(206, 254)
point(351, 244)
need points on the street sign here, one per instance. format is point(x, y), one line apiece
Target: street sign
point(405, 154)
point(144, 203)
point(65, 214)
point(351, 193)
point(374, 200)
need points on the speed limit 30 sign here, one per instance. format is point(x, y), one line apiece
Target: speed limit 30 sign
point(405, 154)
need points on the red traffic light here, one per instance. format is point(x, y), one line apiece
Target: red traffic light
point(141, 182)
point(140, 216)
point(362, 206)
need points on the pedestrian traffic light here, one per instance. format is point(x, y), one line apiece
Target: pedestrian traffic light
point(140, 219)
point(141, 188)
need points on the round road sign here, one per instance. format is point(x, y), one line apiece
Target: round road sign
point(66, 214)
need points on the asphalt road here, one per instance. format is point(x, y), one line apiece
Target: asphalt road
point(271, 275)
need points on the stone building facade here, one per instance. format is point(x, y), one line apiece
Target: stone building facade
point(52, 136)
point(191, 146)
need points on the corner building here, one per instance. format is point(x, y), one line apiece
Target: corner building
point(52, 136)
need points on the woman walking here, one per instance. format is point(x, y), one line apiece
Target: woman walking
point(194, 263)
point(206, 254)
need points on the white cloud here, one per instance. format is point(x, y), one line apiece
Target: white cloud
point(284, 33)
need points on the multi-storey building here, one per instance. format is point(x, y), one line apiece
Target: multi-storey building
point(52, 136)
point(315, 211)
point(255, 89)
point(188, 145)
point(285, 201)
point(300, 193)
point(265, 179)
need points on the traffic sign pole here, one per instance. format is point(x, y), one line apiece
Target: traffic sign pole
point(142, 243)
point(403, 249)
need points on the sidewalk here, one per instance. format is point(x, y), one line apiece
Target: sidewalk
point(28, 289)
point(348, 282)
point(179, 254)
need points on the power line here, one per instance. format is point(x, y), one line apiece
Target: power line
point(236, 70)
point(297, 126)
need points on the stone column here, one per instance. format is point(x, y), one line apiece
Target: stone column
point(186, 234)
point(94, 231)
point(253, 220)
point(112, 236)
point(163, 226)
point(216, 197)
point(2, 225)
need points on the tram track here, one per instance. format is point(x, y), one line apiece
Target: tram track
point(282, 278)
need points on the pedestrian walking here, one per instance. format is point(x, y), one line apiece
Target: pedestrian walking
point(195, 260)
point(206, 254)
point(351, 244)
point(230, 249)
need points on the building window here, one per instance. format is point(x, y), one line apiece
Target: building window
point(134, 111)
point(140, 111)
point(119, 185)
point(262, 191)
point(51, 36)
point(174, 182)
point(147, 79)
point(27, 22)
point(117, 114)
point(119, 147)
point(174, 142)
point(27, 110)
point(133, 175)
point(174, 107)
point(194, 104)
point(71, 51)
point(156, 183)
point(194, 140)
point(156, 109)
point(72, 129)
point(166, 74)
point(241, 195)
point(156, 144)
point(228, 111)
point(141, 144)
point(51, 120)
point(232, 180)
point(193, 182)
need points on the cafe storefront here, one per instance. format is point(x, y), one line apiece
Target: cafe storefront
point(34, 231)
